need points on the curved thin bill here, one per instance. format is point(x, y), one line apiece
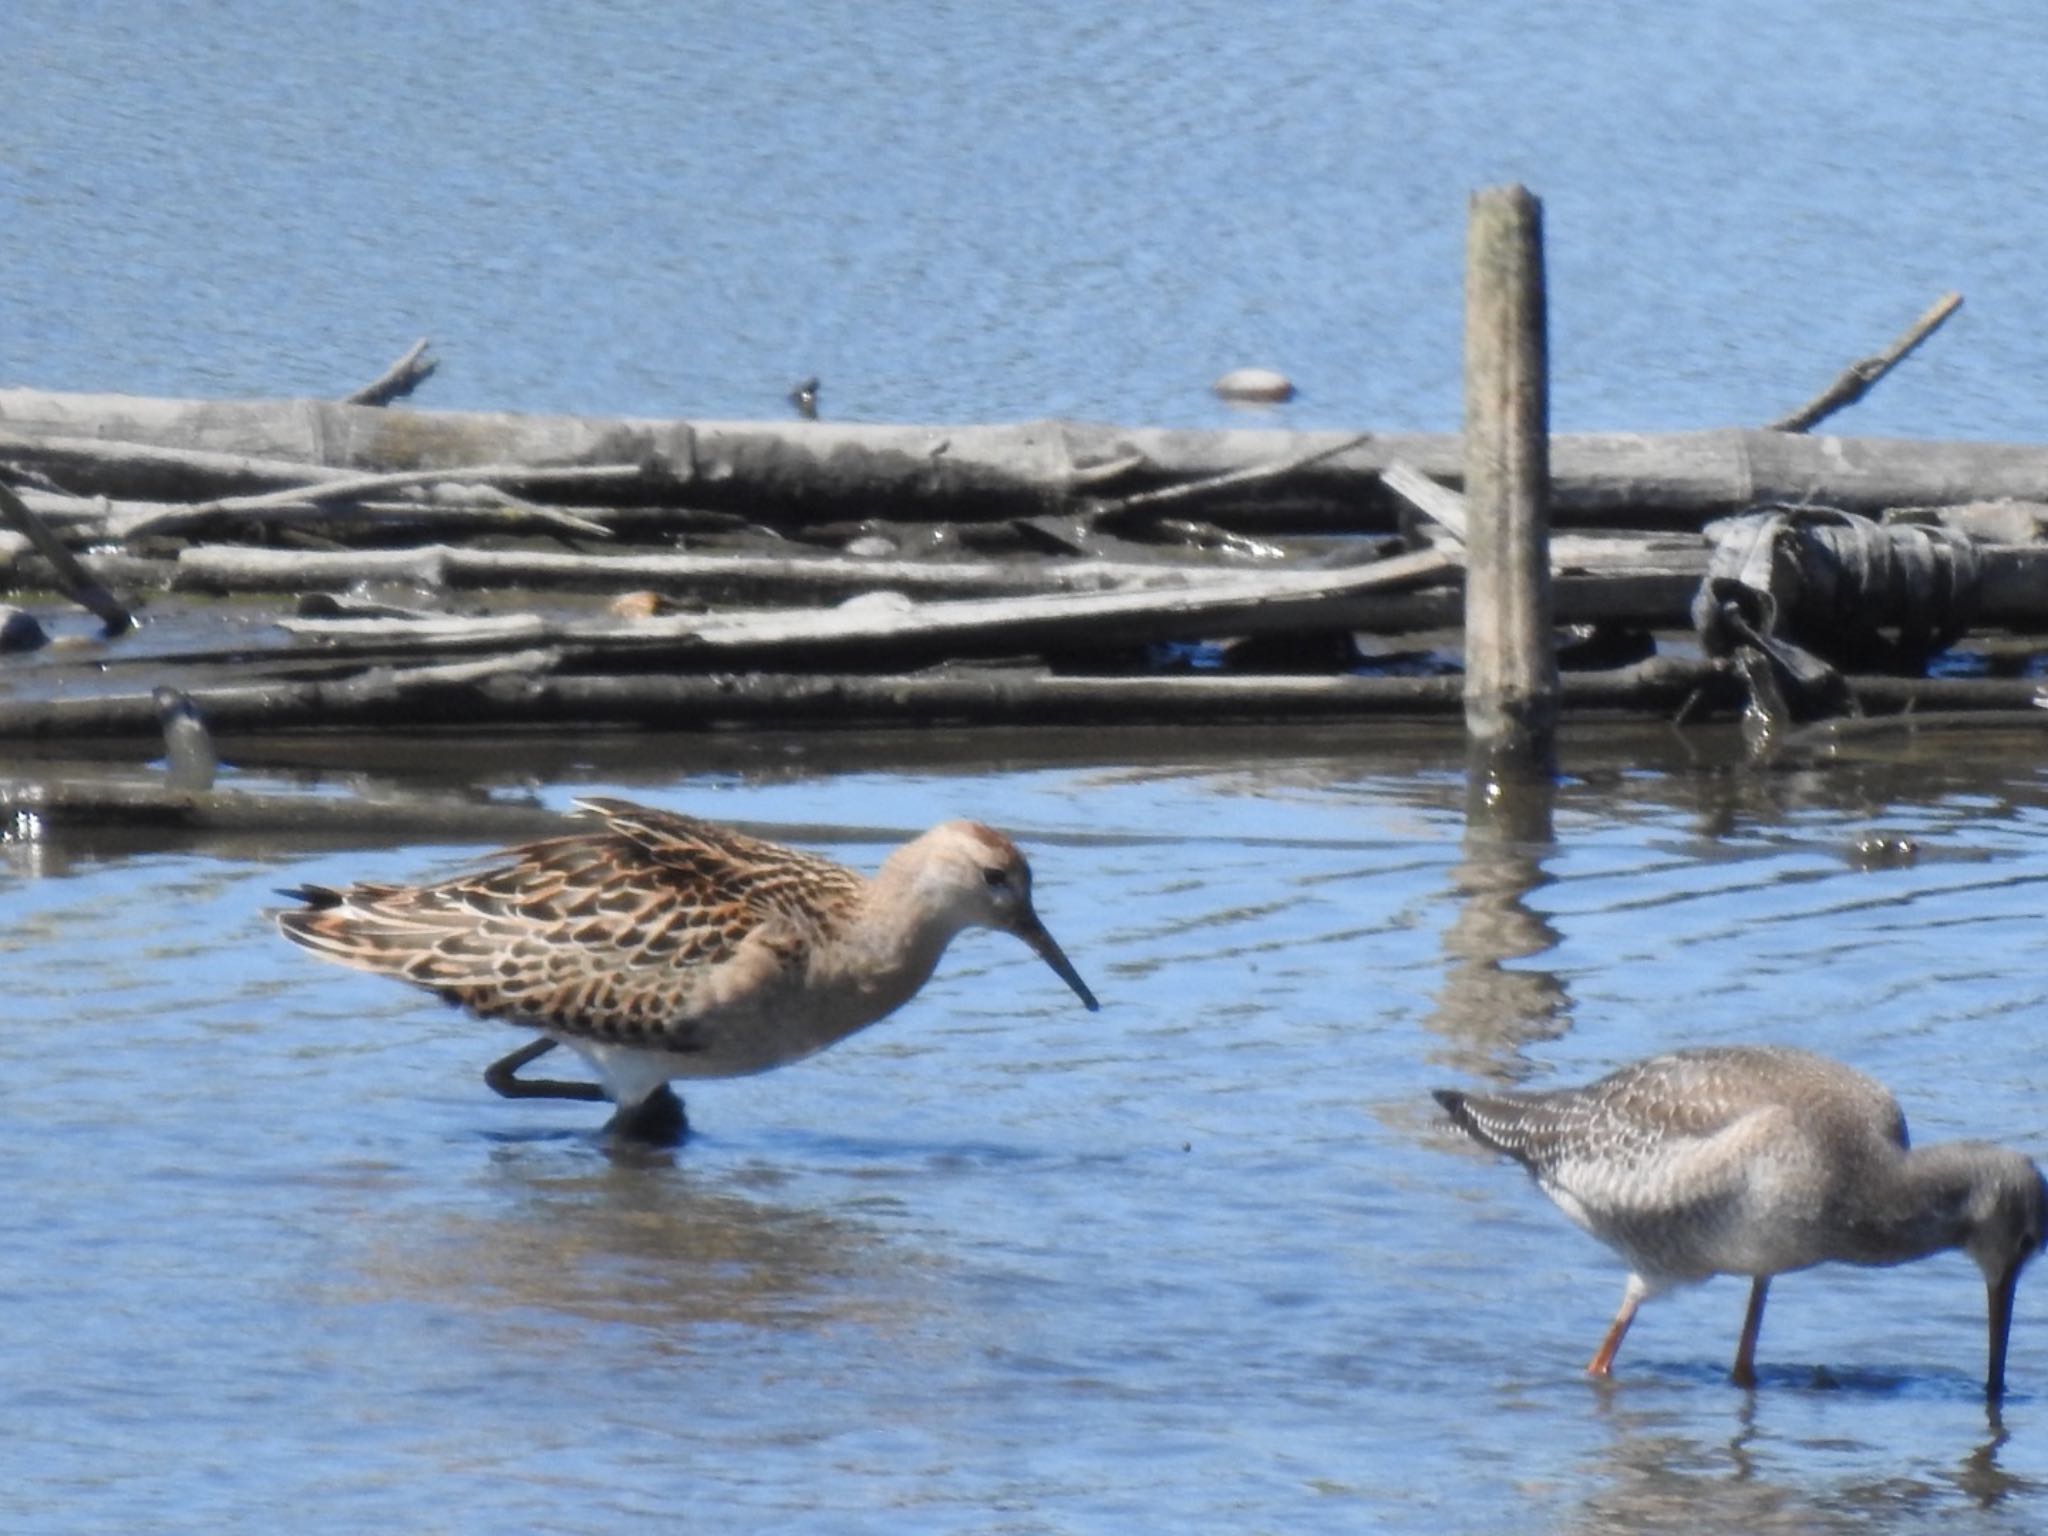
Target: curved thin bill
point(1998, 1298)
point(1032, 932)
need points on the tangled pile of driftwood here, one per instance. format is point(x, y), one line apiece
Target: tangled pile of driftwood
point(302, 564)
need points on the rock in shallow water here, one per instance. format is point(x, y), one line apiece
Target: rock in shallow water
point(1264, 385)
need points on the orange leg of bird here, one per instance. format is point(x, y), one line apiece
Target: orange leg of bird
point(1602, 1363)
point(1744, 1374)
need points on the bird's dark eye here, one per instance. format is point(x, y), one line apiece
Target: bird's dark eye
point(998, 879)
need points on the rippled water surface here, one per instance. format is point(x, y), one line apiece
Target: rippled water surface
point(1204, 1260)
point(272, 1258)
point(1015, 209)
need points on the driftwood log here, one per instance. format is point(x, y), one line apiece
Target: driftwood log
point(521, 691)
point(1648, 581)
point(816, 578)
point(793, 472)
point(75, 799)
point(869, 635)
point(1283, 536)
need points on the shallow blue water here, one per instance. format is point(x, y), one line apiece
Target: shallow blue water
point(1202, 1261)
point(1011, 210)
point(272, 1255)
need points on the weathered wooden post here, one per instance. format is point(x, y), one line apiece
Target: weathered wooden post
point(1510, 668)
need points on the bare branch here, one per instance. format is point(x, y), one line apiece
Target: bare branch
point(76, 582)
point(397, 381)
point(1856, 380)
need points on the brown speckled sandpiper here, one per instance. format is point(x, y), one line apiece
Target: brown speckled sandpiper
point(657, 946)
point(1759, 1160)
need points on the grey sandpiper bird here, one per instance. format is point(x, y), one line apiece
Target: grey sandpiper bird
point(658, 946)
point(1760, 1160)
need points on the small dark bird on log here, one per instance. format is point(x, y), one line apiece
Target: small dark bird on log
point(805, 398)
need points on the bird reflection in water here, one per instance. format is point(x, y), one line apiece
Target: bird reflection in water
point(622, 1242)
point(1663, 1471)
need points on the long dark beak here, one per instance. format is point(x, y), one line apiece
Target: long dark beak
point(1998, 1300)
point(1032, 932)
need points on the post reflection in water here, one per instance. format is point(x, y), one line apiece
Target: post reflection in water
point(1488, 1010)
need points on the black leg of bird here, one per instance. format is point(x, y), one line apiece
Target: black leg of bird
point(504, 1079)
point(656, 1121)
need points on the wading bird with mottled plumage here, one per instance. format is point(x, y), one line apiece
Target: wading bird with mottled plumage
point(1761, 1160)
point(658, 946)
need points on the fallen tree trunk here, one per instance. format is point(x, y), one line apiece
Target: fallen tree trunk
point(527, 694)
point(142, 470)
point(99, 803)
point(76, 801)
point(1647, 582)
point(474, 490)
point(462, 506)
point(807, 471)
point(871, 635)
point(524, 691)
point(815, 578)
